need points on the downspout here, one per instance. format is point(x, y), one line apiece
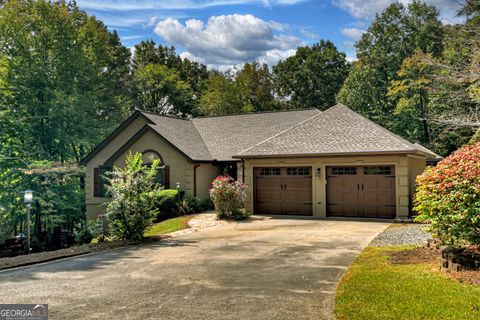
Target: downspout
point(243, 171)
point(195, 179)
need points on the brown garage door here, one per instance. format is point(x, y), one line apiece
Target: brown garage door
point(361, 191)
point(286, 190)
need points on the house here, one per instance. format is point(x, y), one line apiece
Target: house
point(299, 162)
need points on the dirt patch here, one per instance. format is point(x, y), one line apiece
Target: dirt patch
point(24, 260)
point(466, 276)
point(415, 256)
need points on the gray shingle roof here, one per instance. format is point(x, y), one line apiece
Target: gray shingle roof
point(226, 136)
point(338, 130)
point(182, 134)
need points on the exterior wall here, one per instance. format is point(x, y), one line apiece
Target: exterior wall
point(181, 170)
point(94, 205)
point(403, 174)
point(206, 173)
point(416, 166)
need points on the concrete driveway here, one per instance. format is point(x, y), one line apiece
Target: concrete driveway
point(265, 269)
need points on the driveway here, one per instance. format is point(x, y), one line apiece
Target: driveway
point(265, 269)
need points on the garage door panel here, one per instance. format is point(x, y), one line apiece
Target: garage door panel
point(361, 191)
point(286, 190)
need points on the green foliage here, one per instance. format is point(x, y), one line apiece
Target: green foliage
point(166, 202)
point(228, 196)
point(97, 228)
point(159, 89)
point(167, 226)
point(84, 236)
point(312, 77)
point(395, 34)
point(219, 97)
point(132, 208)
point(448, 196)
point(254, 85)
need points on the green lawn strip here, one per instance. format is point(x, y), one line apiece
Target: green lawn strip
point(373, 288)
point(167, 226)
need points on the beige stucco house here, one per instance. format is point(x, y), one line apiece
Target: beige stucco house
point(301, 162)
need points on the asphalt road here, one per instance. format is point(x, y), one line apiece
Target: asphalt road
point(267, 269)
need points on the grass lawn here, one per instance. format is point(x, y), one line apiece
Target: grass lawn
point(374, 288)
point(167, 226)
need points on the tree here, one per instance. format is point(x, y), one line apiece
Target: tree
point(220, 97)
point(159, 89)
point(194, 73)
point(411, 91)
point(255, 87)
point(312, 77)
point(394, 35)
point(132, 188)
point(66, 76)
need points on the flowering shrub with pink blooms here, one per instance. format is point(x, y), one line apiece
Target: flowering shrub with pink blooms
point(228, 196)
point(448, 197)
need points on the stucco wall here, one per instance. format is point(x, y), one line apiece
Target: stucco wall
point(94, 205)
point(402, 179)
point(206, 172)
point(181, 170)
point(416, 166)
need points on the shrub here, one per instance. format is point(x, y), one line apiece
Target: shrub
point(84, 236)
point(190, 204)
point(448, 196)
point(206, 204)
point(132, 207)
point(98, 229)
point(227, 196)
point(166, 203)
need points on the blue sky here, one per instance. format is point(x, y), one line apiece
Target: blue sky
point(226, 33)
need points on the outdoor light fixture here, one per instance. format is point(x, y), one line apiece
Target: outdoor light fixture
point(28, 199)
point(318, 173)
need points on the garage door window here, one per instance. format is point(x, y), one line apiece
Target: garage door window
point(344, 171)
point(298, 171)
point(270, 171)
point(383, 171)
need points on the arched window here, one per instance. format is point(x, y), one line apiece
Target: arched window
point(163, 175)
point(148, 156)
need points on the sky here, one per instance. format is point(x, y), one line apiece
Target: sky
point(227, 33)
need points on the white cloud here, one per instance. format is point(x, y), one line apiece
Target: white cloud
point(308, 34)
point(366, 9)
point(228, 40)
point(352, 33)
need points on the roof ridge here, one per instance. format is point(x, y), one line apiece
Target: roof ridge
point(282, 132)
point(163, 115)
point(255, 113)
point(394, 135)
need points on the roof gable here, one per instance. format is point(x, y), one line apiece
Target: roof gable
point(338, 130)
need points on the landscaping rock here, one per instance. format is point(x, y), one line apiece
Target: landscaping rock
point(401, 234)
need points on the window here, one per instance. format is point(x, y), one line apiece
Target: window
point(100, 181)
point(269, 171)
point(384, 171)
point(343, 171)
point(298, 171)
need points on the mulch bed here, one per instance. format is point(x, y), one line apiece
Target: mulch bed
point(433, 256)
point(39, 257)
